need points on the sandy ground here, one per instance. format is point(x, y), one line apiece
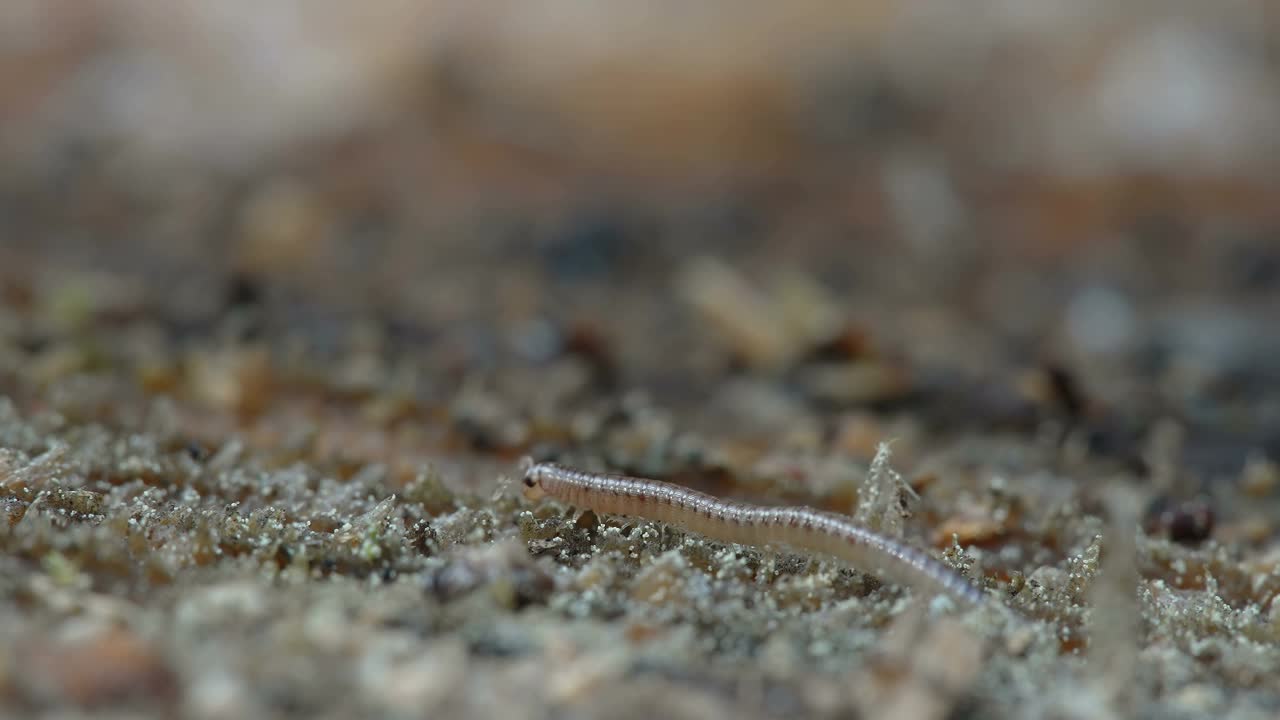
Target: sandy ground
point(279, 318)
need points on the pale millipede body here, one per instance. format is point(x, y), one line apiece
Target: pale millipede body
point(799, 528)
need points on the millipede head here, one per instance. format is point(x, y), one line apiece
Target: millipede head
point(532, 479)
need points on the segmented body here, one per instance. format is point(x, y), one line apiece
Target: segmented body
point(800, 528)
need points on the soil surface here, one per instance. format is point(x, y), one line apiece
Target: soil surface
point(266, 382)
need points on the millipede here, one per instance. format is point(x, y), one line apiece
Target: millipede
point(731, 521)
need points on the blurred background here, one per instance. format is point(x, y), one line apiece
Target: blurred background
point(675, 191)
